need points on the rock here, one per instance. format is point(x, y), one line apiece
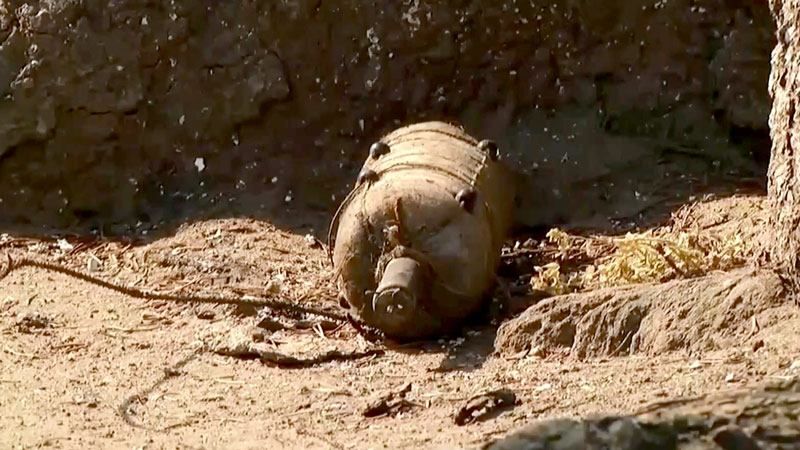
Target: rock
point(759, 417)
point(696, 314)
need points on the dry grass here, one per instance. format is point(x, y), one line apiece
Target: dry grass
point(655, 255)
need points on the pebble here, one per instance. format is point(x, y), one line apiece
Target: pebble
point(93, 264)
point(65, 246)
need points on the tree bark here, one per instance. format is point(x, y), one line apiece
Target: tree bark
point(782, 243)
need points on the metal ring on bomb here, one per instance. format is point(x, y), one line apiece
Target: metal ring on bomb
point(378, 149)
point(489, 147)
point(466, 199)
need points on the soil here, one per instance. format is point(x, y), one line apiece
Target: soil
point(82, 366)
point(200, 147)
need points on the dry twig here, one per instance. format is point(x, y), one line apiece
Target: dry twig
point(293, 362)
point(277, 306)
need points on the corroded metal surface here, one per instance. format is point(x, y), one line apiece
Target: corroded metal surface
point(417, 241)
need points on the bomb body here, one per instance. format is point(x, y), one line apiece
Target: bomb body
point(418, 240)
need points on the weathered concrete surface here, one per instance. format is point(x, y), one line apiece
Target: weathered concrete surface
point(107, 107)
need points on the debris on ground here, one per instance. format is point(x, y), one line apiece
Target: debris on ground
point(31, 322)
point(240, 345)
point(486, 405)
point(582, 263)
point(390, 404)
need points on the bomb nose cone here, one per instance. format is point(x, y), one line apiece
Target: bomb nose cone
point(394, 308)
point(397, 299)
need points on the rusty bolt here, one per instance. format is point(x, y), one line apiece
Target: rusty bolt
point(466, 199)
point(378, 149)
point(367, 175)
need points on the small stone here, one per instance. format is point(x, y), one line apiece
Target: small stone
point(206, 315)
point(200, 164)
point(65, 246)
point(733, 438)
point(274, 286)
point(30, 321)
point(93, 264)
point(7, 303)
point(269, 324)
point(258, 335)
point(538, 351)
point(87, 399)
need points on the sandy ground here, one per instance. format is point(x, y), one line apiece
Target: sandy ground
point(85, 367)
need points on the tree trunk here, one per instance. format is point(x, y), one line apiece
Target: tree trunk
point(783, 184)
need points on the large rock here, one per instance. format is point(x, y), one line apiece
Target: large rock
point(700, 314)
point(761, 417)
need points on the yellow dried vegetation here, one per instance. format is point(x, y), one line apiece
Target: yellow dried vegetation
point(652, 256)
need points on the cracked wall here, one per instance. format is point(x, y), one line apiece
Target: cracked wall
point(110, 110)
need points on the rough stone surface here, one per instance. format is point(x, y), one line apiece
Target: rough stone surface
point(118, 112)
point(699, 314)
point(784, 185)
point(763, 417)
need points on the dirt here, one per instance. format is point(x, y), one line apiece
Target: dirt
point(200, 147)
point(82, 366)
point(123, 117)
